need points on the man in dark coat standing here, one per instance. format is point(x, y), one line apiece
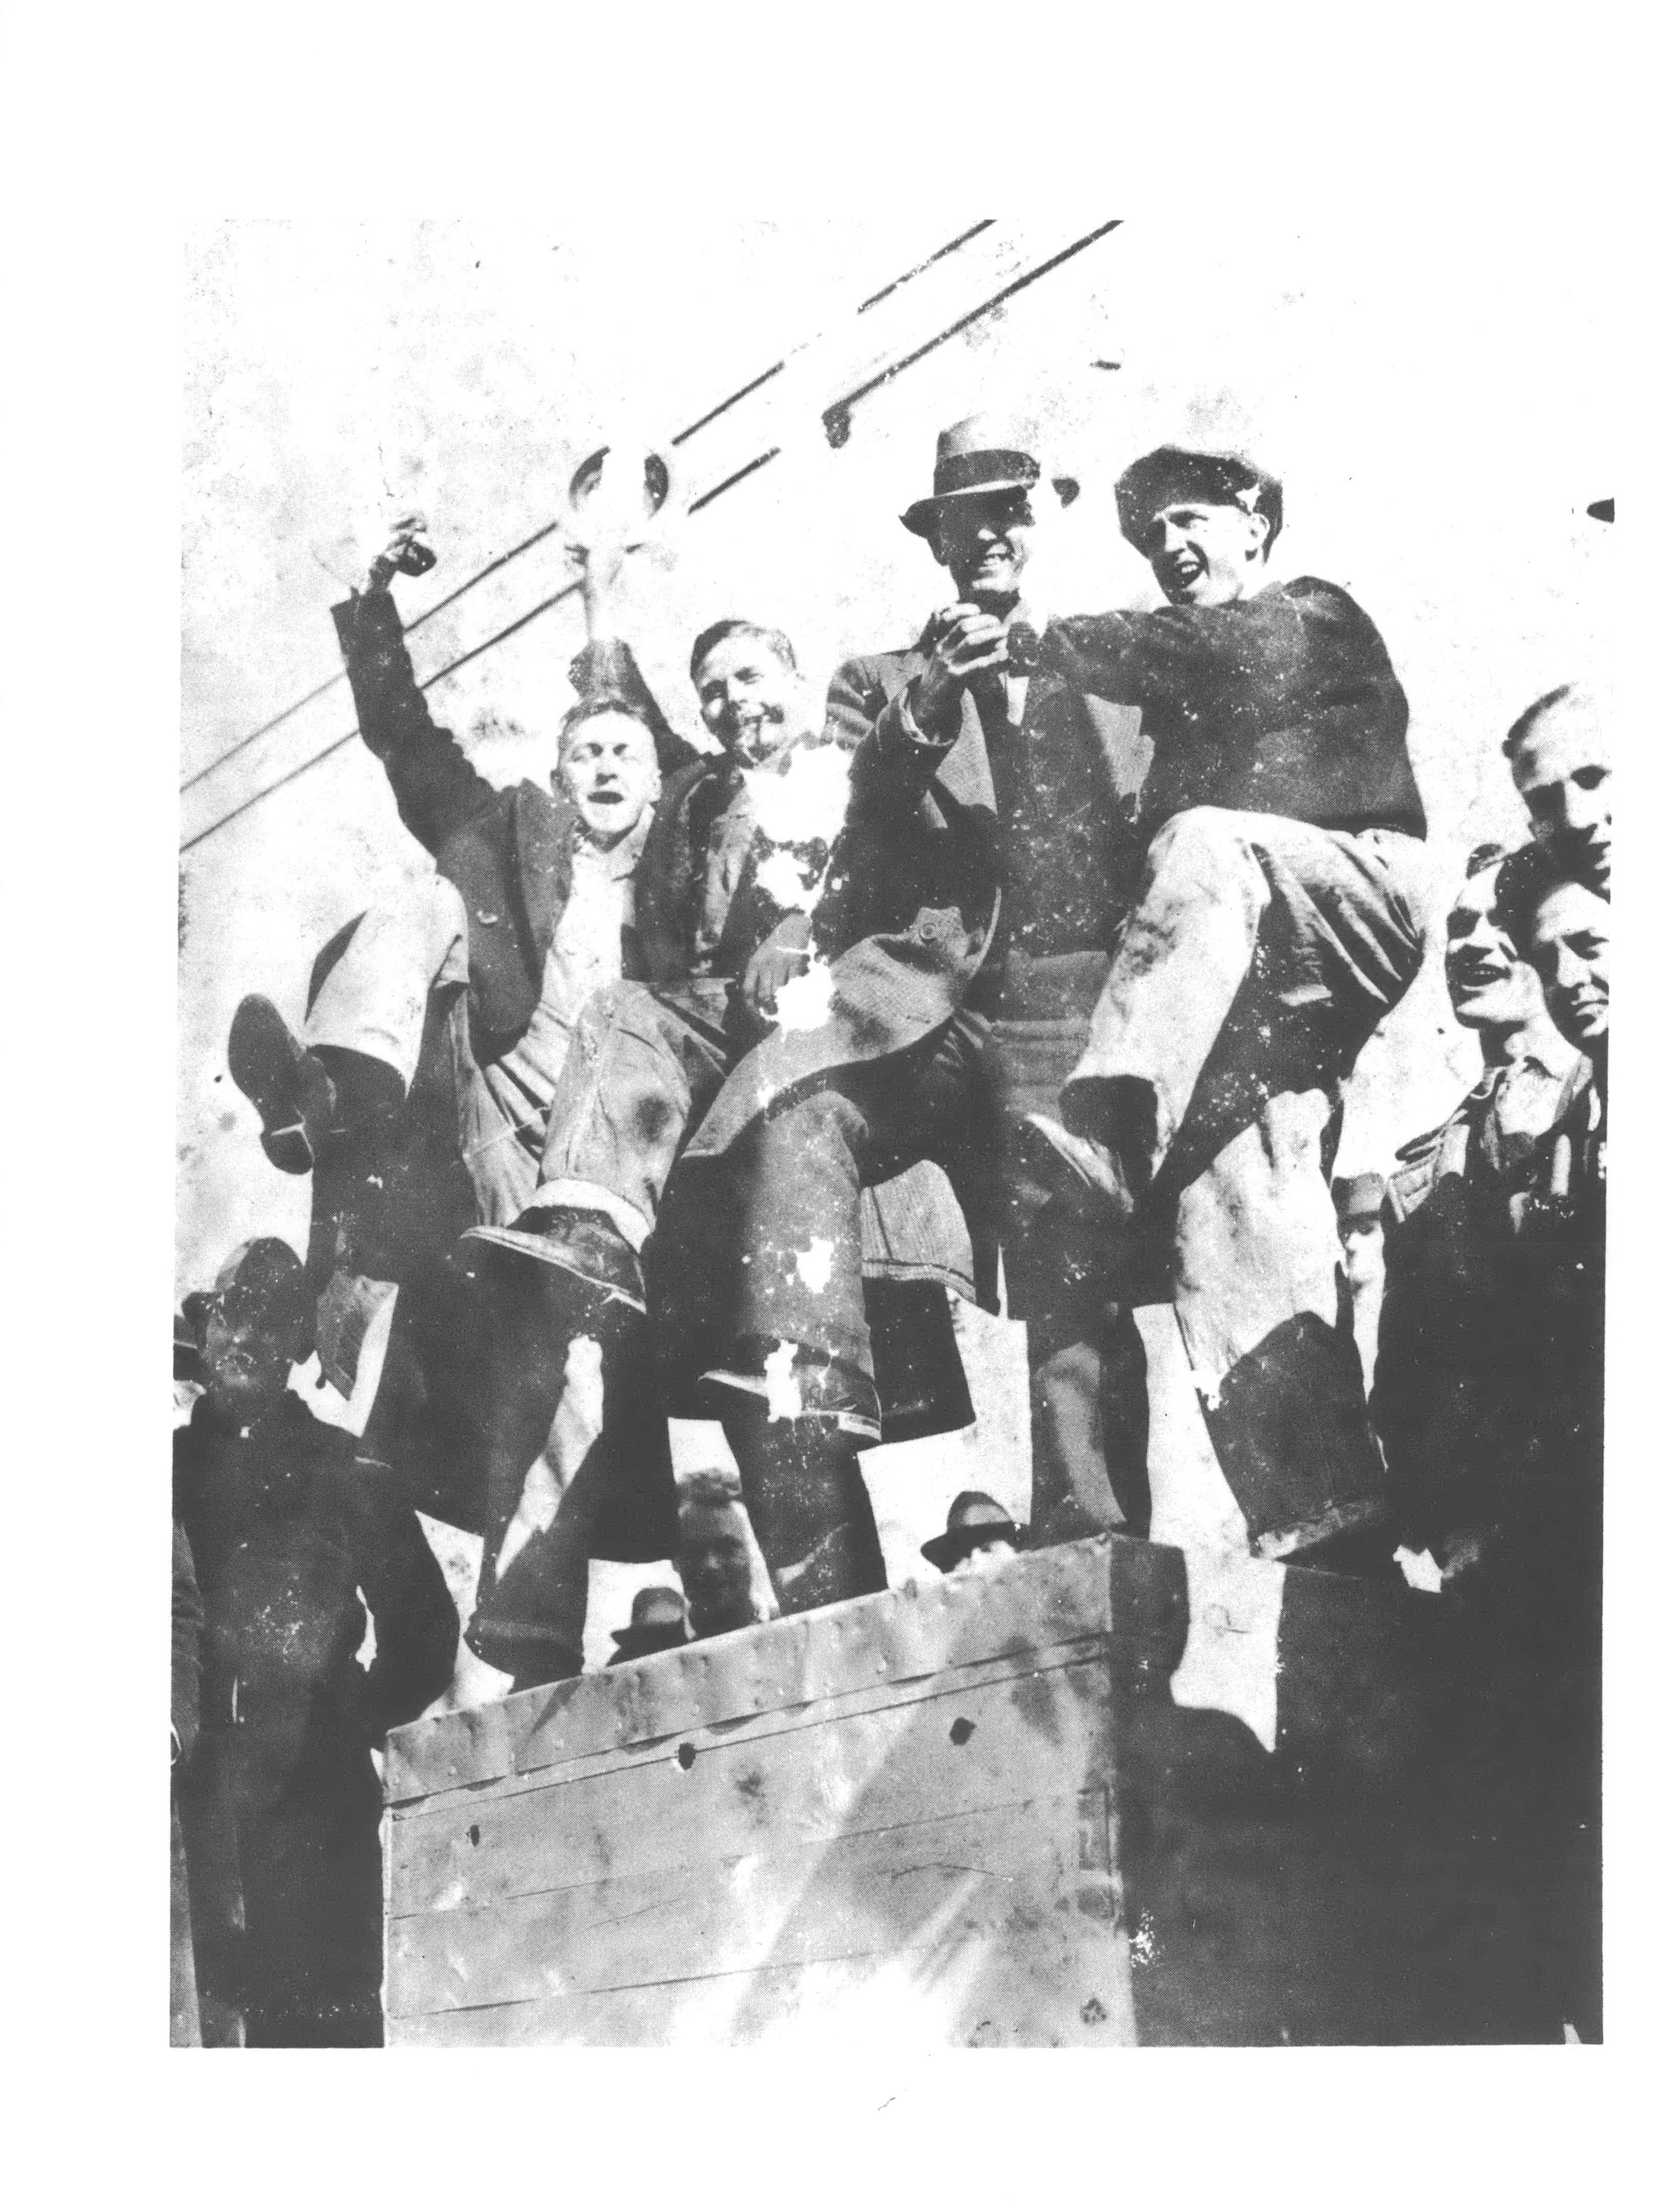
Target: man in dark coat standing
point(1275, 923)
point(295, 1545)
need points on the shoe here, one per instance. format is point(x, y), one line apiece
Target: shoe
point(579, 1241)
point(812, 1385)
point(289, 1087)
point(1072, 1168)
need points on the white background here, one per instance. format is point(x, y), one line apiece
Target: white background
point(1476, 157)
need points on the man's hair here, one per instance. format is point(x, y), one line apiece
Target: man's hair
point(709, 639)
point(1523, 726)
point(1527, 877)
point(1485, 854)
point(592, 708)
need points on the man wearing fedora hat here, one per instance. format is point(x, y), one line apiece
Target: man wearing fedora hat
point(658, 1620)
point(979, 1534)
point(296, 1543)
point(1021, 776)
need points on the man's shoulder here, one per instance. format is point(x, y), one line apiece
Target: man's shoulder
point(881, 670)
point(1317, 600)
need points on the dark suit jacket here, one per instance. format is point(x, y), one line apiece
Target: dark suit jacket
point(1456, 1360)
point(1285, 703)
point(912, 900)
point(506, 849)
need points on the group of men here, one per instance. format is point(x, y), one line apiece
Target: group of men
point(1033, 968)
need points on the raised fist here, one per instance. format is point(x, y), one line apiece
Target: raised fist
point(405, 552)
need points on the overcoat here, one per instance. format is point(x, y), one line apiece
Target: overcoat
point(291, 1538)
point(915, 909)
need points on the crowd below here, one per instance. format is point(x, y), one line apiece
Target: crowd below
point(1030, 968)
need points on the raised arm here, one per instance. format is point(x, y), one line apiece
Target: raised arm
point(435, 787)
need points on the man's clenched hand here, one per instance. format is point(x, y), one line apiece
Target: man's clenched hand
point(965, 642)
point(405, 552)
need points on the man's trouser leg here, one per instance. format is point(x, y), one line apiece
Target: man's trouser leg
point(373, 999)
point(640, 1066)
point(784, 1291)
point(1259, 959)
point(643, 1066)
point(1086, 1368)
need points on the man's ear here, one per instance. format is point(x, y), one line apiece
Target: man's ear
point(1260, 530)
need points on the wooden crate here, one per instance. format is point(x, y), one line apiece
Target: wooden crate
point(1112, 1794)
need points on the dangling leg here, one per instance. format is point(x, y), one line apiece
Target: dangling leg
point(810, 1508)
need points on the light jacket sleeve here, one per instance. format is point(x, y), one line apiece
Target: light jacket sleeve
point(437, 787)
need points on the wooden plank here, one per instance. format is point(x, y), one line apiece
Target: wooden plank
point(1018, 1873)
point(803, 1715)
point(941, 1753)
point(1001, 1929)
point(1043, 1601)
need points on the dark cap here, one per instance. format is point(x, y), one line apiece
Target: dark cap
point(1172, 476)
point(1360, 1197)
point(976, 457)
point(973, 1518)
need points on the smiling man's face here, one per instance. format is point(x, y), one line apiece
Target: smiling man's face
point(1488, 983)
point(750, 698)
point(611, 772)
point(1207, 554)
point(984, 545)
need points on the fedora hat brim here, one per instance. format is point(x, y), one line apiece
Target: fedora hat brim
point(919, 518)
point(950, 1547)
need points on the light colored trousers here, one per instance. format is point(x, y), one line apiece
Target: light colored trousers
point(409, 944)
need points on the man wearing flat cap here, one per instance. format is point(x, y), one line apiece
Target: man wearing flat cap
point(295, 1544)
point(1270, 928)
point(970, 769)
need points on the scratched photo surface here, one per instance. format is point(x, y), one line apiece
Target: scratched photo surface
point(892, 1088)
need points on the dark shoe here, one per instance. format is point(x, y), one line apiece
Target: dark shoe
point(581, 1243)
point(292, 1093)
point(1071, 1168)
point(817, 1386)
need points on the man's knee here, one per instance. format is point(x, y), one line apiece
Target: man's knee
point(1204, 846)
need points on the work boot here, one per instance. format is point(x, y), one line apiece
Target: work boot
point(290, 1088)
point(581, 1243)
